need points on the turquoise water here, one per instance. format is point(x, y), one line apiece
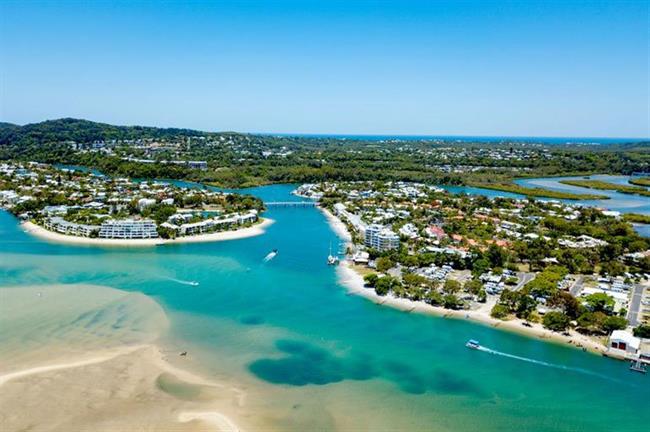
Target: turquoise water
point(312, 357)
point(624, 203)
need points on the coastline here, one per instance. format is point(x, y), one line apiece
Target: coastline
point(42, 233)
point(354, 283)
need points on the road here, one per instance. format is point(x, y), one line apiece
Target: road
point(635, 305)
point(524, 279)
point(577, 287)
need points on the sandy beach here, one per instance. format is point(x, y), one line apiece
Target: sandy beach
point(255, 230)
point(355, 285)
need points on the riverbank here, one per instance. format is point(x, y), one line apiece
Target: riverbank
point(603, 185)
point(353, 281)
point(255, 230)
point(537, 191)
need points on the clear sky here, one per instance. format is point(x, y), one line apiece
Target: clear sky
point(525, 68)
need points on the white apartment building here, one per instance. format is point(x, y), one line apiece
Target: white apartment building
point(58, 224)
point(128, 229)
point(381, 238)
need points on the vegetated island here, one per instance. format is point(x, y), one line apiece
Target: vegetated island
point(603, 185)
point(537, 191)
point(74, 206)
point(640, 181)
point(637, 218)
point(555, 271)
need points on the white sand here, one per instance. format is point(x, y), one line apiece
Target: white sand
point(337, 225)
point(220, 421)
point(45, 234)
point(96, 358)
point(108, 391)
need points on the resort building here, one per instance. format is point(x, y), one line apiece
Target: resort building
point(208, 225)
point(381, 238)
point(128, 229)
point(58, 224)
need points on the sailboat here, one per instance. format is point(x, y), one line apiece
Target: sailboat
point(332, 259)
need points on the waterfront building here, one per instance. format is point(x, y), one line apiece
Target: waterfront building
point(381, 238)
point(60, 225)
point(128, 229)
point(624, 342)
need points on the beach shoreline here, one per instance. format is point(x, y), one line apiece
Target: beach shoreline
point(354, 283)
point(44, 234)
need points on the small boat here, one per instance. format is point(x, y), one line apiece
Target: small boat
point(638, 366)
point(194, 283)
point(332, 259)
point(473, 344)
point(271, 255)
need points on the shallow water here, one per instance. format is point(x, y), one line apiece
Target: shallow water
point(310, 356)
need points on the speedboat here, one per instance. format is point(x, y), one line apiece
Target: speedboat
point(473, 344)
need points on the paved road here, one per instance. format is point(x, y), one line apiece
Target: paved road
point(635, 305)
point(577, 287)
point(525, 278)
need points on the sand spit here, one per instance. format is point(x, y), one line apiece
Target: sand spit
point(87, 358)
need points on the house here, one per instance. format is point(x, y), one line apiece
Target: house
point(143, 203)
point(623, 342)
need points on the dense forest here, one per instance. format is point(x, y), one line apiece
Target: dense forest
point(237, 159)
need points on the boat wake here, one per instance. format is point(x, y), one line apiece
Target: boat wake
point(183, 282)
point(546, 364)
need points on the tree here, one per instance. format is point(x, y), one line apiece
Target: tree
point(499, 311)
point(525, 306)
point(591, 321)
point(450, 301)
point(567, 302)
point(433, 297)
point(384, 264)
point(473, 286)
point(612, 323)
point(383, 285)
point(556, 321)
point(599, 302)
point(412, 279)
point(370, 279)
point(451, 286)
point(642, 331)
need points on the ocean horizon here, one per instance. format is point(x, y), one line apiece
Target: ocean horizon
point(468, 138)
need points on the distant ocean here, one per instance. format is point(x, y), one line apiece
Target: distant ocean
point(468, 138)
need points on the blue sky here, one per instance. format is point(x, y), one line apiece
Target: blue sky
point(526, 68)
